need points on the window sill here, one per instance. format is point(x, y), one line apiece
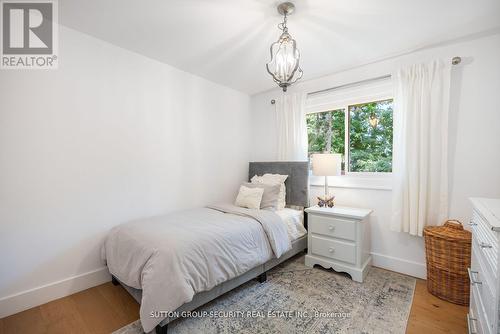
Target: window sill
point(354, 182)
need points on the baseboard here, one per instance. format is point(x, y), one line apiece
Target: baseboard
point(399, 265)
point(27, 299)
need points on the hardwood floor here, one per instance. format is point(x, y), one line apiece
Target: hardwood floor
point(105, 308)
point(430, 314)
point(101, 309)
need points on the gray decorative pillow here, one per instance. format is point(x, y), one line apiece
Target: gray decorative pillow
point(270, 198)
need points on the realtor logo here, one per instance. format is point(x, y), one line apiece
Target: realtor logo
point(29, 34)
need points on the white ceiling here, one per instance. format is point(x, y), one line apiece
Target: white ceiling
point(227, 41)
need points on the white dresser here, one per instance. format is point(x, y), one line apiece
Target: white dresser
point(484, 273)
point(338, 238)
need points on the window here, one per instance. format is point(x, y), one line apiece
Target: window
point(370, 137)
point(326, 132)
point(361, 133)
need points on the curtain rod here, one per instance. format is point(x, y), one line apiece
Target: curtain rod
point(454, 61)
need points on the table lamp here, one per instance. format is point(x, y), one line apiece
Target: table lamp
point(326, 164)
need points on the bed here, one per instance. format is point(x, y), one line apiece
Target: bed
point(177, 263)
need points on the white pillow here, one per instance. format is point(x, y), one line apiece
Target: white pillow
point(270, 198)
point(249, 197)
point(273, 179)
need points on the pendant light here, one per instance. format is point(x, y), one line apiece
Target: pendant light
point(284, 65)
point(374, 120)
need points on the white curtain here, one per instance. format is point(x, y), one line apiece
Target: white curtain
point(292, 127)
point(420, 168)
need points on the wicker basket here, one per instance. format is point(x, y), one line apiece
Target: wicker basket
point(448, 249)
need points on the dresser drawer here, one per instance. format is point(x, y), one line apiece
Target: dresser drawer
point(334, 249)
point(474, 325)
point(486, 241)
point(483, 323)
point(332, 227)
point(483, 285)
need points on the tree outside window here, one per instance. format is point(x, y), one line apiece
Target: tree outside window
point(369, 133)
point(370, 137)
point(326, 132)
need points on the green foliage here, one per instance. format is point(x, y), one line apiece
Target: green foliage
point(326, 132)
point(370, 146)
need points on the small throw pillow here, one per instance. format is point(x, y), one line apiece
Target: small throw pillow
point(270, 198)
point(249, 197)
point(273, 179)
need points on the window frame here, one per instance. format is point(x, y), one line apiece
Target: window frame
point(363, 180)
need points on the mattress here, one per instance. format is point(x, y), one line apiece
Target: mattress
point(294, 221)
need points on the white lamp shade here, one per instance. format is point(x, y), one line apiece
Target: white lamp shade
point(325, 164)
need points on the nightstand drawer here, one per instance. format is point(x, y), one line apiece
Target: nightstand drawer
point(332, 227)
point(334, 249)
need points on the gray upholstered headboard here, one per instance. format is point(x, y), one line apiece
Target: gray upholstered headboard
point(296, 183)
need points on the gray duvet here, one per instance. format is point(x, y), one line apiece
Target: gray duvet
point(173, 257)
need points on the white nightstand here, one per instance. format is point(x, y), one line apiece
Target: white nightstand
point(339, 238)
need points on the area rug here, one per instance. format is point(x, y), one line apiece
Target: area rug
point(299, 299)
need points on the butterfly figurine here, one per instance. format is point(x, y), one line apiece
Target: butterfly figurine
point(326, 202)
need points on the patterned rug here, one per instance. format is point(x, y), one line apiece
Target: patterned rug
point(299, 299)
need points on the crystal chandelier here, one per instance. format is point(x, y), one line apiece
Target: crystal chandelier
point(284, 65)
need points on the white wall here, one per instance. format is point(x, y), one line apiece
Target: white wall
point(474, 142)
point(108, 137)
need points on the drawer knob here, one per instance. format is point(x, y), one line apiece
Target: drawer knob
point(471, 277)
point(485, 245)
point(331, 249)
point(331, 227)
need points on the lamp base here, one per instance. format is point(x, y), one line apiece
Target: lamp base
point(326, 201)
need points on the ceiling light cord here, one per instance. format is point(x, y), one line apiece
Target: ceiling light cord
point(282, 26)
